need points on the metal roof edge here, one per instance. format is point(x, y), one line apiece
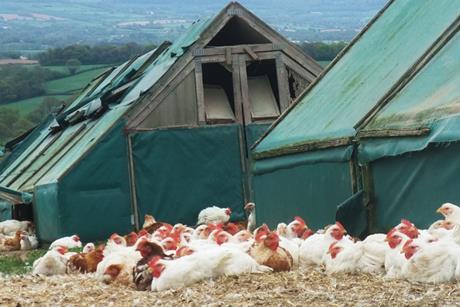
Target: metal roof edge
point(303, 147)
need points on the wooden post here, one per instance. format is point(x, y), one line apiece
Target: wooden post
point(132, 179)
point(228, 55)
point(237, 99)
point(200, 93)
point(283, 86)
point(245, 91)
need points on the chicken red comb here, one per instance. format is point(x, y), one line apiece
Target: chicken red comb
point(408, 242)
point(261, 235)
point(391, 232)
point(272, 236)
point(300, 220)
point(62, 249)
point(154, 261)
point(132, 234)
point(231, 228)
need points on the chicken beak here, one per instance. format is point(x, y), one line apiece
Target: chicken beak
point(385, 240)
point(439, 210)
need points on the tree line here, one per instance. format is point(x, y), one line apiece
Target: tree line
point(323, 51)
point(19, 82)
point(89, 55)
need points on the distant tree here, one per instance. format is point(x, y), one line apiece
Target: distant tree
point(73, 65)
point(98, 54)
point(18, 82)
point(322, 51)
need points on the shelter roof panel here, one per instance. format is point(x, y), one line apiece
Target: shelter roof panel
point(433, 94)
point(363, 75)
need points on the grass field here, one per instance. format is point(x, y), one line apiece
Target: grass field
point(71, 84)
point(61, 89)
point(12, 263)
point(26, 106)
point(83, 68)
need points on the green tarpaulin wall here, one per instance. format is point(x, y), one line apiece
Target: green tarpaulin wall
point(287, 186)
point(5, 211)
point(180, 171)
point(414, 185)
point(92, 199)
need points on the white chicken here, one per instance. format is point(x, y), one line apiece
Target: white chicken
point(69, 242)
point(10, 227)
point(52, 263)
point(298, 229)
point(198, 266)
point(214, 215)
point(451, 212)
point(373, 250)
point(440, 229)
point(433, 262)
point(243, 236)
point(29, 242)
point(343, 256)
point(89, 247)
point(201, 232)
point(394, 259)
point(315, 247)
point(184, 271)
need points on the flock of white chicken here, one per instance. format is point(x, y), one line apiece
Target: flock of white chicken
point(163, 256)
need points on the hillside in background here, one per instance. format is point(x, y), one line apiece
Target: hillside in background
point(28, 26)
point(19, 116)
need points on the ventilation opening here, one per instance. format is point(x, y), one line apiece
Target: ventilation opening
point(237, 32)
point(263, 90)
point(297, 84)
point(23, 212)
point(218, 94)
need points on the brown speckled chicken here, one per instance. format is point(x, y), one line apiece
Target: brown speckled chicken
point(86, 262)
point(266, 251)
point(151, 225)
point(12, 243)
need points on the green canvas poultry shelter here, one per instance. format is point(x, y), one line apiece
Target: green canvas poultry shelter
point(366, 141)
point(166, 133)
